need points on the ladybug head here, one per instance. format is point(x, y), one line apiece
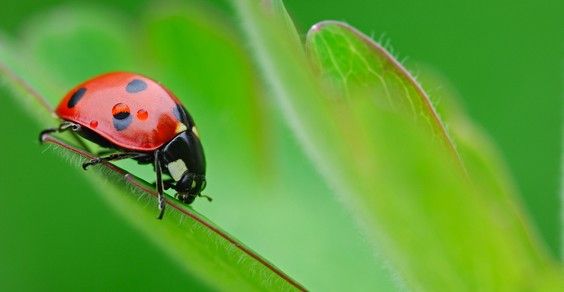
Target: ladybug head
point(183, 158)
point(190, 186)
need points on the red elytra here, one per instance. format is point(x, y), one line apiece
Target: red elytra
point(130, 110)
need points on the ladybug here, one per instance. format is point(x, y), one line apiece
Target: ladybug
point(140, 119)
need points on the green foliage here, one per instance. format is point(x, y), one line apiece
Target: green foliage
point(250, 158)
point(441, 213)
point(205, 250)
point(409, 194)
point(355, 65)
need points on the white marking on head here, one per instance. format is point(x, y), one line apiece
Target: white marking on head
point(177, 169)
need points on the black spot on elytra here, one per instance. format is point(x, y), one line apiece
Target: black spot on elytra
point(121, 121)
point(136, 85)
point(121, 115)
point(75, 97)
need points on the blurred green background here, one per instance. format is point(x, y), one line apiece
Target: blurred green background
point(504, 57)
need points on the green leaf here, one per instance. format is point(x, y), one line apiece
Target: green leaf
point(69, 45)
point(10, 73)
point(283, 62)
point(253, 163)
point(186, 235)
point(207, 69)
point(355, 65)
point(483, 161)
point(199, 246)
point(372, 72)
point(403, 182)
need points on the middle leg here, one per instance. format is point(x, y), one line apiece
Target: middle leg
point(113, 157)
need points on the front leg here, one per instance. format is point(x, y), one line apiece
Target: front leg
point(160, 187)
point(64, 126)
point(113, 157)
point(167, 184)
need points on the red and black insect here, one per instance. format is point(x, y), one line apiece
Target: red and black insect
point(138, 119)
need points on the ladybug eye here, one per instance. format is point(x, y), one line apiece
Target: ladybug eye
point(120, 111)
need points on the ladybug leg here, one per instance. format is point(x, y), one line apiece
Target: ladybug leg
point(160, 190)
point(45, 132)
point(112, 157)
point(64, 126)
point(105, 152)
point(167, 184)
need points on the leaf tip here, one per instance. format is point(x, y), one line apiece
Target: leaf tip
point(322, 24)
